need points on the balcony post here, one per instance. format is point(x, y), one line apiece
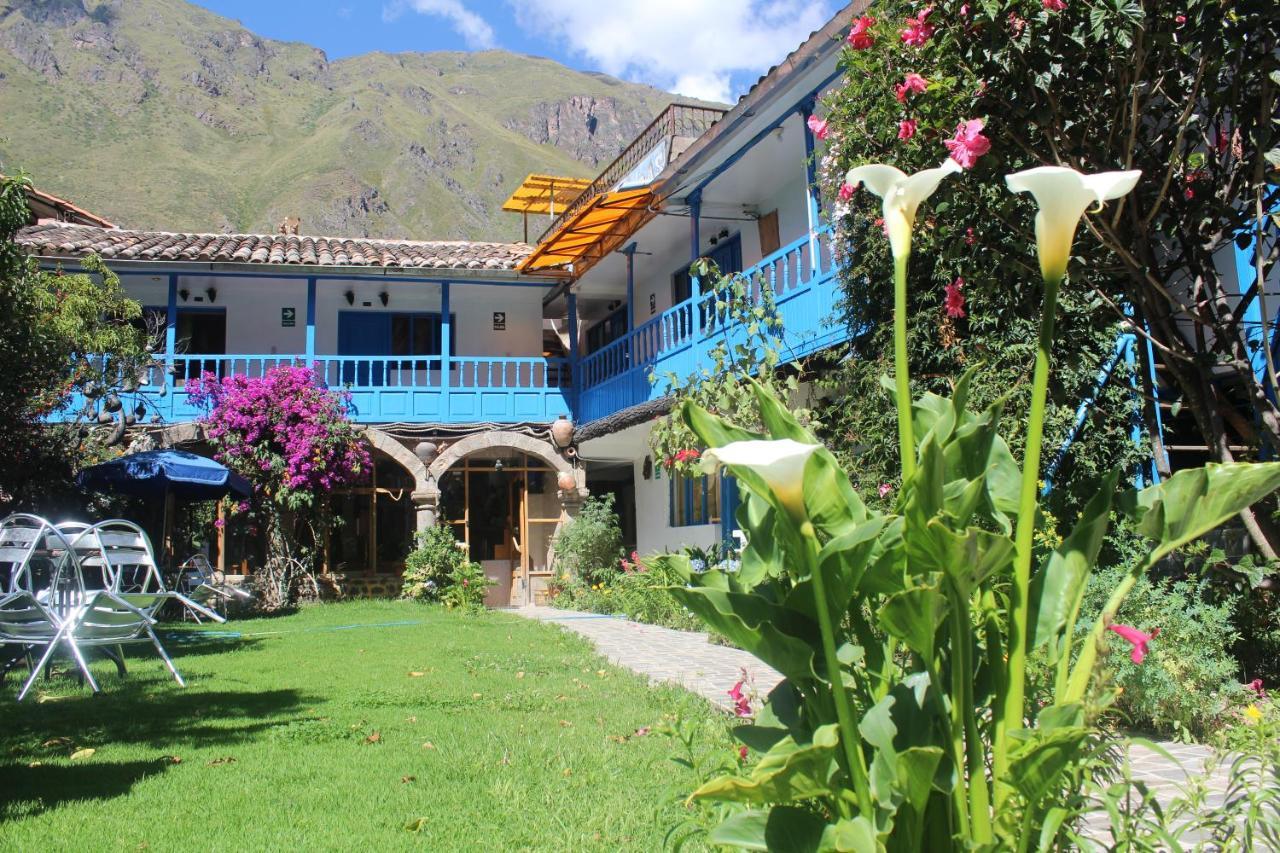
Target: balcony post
point(446, 343)
point(311, 321)
point(576, 381)
point(630, 251)
point(813, 202)
point(171, 341)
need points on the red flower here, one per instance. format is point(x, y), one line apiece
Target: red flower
point(912, 82)
point(859, 37)
point(847, 191)
point(742, 753)
point(1017, 24)
point(1135, 637)
point(969, 239)
point(906, 128)
point(1053, 5)
point(1180, 19)
point(1256, 687)
point(819, 127)
point(968, 144)
point(917, 32)
point(954, 298)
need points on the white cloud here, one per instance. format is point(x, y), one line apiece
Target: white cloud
point(475, 30)
point(692, 47)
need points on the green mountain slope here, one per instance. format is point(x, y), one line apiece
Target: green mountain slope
point(160, 114)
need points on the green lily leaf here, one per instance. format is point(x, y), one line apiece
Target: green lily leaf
point(1192, 502)
point(1039, 757)
point(768, 631)
point(781, 828)
point(855, 835)
point(1058, 588)
point(967, 558)
point(843, 562)
point(786, 773)
point(914, 615)
point(759, 738)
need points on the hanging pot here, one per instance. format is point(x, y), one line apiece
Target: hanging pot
point(566, 481)
point(562, 432)
point(427, 451)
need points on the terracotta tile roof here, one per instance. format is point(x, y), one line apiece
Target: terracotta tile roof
point(64, 240)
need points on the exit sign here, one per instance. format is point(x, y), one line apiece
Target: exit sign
point(288, 317)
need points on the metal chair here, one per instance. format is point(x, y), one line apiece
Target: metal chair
point(202, 583)
point(34, 555)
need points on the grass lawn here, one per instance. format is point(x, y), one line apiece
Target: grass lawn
point(334, 728)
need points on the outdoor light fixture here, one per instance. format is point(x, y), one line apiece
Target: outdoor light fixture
point(350, 297)
point(184, 293)
point(212, 293)
point(498, 466)
point(384, 298)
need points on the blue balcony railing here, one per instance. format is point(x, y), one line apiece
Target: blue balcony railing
point(800, 277)
point(413, 389)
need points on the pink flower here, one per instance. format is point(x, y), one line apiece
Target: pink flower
point(1136, 638)
point(906, 128)
point(968, 144)
point(859, 37)
point(969, 239)
point(742, 753)
point(912, 82)
point(847, 191)
point(964, 10)
point(818, 126)
point(879, 223)
point(1054, 5)
point(955, 299)
point(220, 523)
point(885, 489)
point(735, 692)
point(742, 707)
point(1256, 687)
point(917, 32)
point(1180, 19)
point(1017, 24)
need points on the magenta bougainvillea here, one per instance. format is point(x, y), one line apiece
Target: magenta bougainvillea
point(284, 432)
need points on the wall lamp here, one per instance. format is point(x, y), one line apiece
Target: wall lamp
point(184, 293)
point(212, 293)
point(384, 298)
point(350, 296)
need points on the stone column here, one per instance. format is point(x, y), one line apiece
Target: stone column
point(426, 505)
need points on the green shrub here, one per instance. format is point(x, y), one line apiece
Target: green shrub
point(427, 569)
point(466, 587)
point(591, 547)
point(1187, 686)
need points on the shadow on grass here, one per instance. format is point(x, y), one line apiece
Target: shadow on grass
point(28, 791)
point(159, 715)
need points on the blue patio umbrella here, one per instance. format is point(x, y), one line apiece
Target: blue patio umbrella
point(158, 473)
point(161, 473)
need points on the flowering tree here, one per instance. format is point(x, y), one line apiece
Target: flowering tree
point(1187, 93)
point(291, 438)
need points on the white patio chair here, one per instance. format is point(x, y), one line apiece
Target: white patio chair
point(36, 558)
point(205, 585)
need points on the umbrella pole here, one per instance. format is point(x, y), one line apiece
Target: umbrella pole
point(166, 535)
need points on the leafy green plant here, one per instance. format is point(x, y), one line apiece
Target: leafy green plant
point(428, 567)
point(903, 636)
point(1188, 686)
point(590, 548)
point(466, 587)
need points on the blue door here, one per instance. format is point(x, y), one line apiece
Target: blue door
point(361, 333)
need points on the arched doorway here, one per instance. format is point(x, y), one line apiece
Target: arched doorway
point(373, 523)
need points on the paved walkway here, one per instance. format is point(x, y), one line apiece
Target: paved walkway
point(686, 658)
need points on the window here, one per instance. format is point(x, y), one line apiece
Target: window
point(727, 255)
point(607, 330)
point(695, 499)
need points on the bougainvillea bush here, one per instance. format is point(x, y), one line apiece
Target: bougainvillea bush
point(291, 438)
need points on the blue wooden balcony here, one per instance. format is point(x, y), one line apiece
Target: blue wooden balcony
point(384, 389)
point(801, 277)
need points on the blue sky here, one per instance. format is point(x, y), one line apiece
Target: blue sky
point(711, 49)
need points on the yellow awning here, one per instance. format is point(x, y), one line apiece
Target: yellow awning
point(549, 194)
point(600, 227)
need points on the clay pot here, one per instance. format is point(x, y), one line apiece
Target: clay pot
point(566, 481)
point(562, 432)
point(426, 451)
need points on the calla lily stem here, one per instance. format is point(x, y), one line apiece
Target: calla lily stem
point(1015, 695)
point(906, 433)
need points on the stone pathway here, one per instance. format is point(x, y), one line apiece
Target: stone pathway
point(686, 658)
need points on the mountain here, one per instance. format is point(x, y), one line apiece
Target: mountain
point(160, 114)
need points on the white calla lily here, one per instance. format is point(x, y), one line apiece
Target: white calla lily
point(780, 463)
point(902, 194)
point(1063, 196)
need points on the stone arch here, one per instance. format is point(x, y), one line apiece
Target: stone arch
point(403, 455)
point(501, 438)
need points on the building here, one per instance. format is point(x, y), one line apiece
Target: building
point(463, 357)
